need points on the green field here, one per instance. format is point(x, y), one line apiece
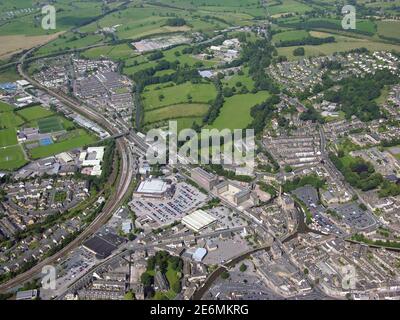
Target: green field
point(390, 29)
point(176, 111)
point(5, 107)
point(34, 113)
point(176, 94)
point(10, 120)
point(8, 137)
point(9, 75)
point(69, 14)
point(11, 158)
point(288, 6)
point(245, 80)
point(50, 124)
point(78, 138)
point(342, 44)
point(290, 35)
point(235, 113)
point(121, 51)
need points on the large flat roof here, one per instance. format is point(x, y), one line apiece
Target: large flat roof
point(152, 186)
point(198, 220)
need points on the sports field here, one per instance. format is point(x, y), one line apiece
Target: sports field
point(10, 120)
point(11, 158)
point(77, 138)
point(50, 124)
point(8, 137)
point(34, 113)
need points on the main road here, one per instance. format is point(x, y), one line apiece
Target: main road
point(114, 201)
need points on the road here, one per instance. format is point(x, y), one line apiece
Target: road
point(338, 176)
point(114, 201)
point(131, 247)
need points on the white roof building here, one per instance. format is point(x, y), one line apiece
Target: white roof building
point(198, 220)
point(152, 188)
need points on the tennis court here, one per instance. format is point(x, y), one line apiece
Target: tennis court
point(46, 141)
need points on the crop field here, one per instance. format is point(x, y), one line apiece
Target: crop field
point(390, 29)
point(9, 75)
point(290, 35)
point(235, 113)
point(69, 14)
point(8, 137)
point(67, 42)
point(77, 138)
point(154, 98)
point(12, 158)
point(122, 51)
point(34, 113)
point(342, 44)
point(176, 111)
point(288, 6)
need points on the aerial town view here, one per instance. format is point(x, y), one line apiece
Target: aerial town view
point(207, 150)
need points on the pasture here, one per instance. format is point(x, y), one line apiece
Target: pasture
point(235, 113)
point(175, 111)
point(156, 96)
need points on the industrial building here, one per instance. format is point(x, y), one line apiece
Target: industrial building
point(198, 220)
point(153, 188)
point(204, 179)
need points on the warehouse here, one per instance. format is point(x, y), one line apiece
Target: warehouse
point(198, 220)
point(154, 188)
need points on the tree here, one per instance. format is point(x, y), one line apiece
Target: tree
point(176, 287)
point(288, 168)
point(299, 51)
point(225, 275)
point(243, 267)
point(146, 279)
point(129, 296)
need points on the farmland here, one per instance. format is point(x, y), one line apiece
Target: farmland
point(176, 111)
point(235, 113)
point(157, 96)
point(390, 29)
point(342, 44)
